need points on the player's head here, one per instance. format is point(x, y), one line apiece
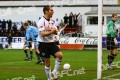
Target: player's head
point(48, 11)
point(29, 22)
point(25, 25)
point(114, 17)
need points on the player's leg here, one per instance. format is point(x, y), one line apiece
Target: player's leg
point(58, 61)
point(114, 54)
point(47, 68)
point(38, 54)
point(113, 50)
point(43, 48)
point(25, 51)
point(110, 50)
point(31, 52)
point(110, 59)
point(10, 44)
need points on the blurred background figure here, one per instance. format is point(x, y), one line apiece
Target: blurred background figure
point(14, 28)
point(9, 40)
point(71, 20)
point(65, 18)
point(57, 23)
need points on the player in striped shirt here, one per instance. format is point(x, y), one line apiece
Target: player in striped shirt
point(47, 45)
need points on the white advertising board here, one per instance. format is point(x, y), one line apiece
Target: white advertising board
point(17, 42)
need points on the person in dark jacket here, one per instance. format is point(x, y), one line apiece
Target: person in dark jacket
point(3, 27)
point(9, 37)
point(14, 28)
point(66, 19)
point(76, 19)
point(71, 20)
point(9, 25)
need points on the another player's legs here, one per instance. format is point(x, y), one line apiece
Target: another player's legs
point(38, 54)
point(26, 54)
point(113, 51)
point(9, 45)
point(110, 60)
point(38, 57)
point(42, 58)
point(31, 52)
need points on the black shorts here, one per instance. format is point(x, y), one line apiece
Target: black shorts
point(48, 49)
point(57, 43)
point(110, 43)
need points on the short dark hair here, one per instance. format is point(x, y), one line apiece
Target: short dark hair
point(46, 8)
point(114, 14)
point(25, 24)
point(29, 22)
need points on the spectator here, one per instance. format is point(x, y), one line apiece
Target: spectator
point(0, 24)
point(14, 28)
point(61, 25)
point(9, 40)
point(22, 31)
point(3, 27)
point(9, 25)
point(0, 28)
point(65, 19)
point(76, 19)
point(57, 23)
point(71, 20)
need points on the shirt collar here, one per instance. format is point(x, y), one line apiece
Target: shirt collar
point(113, 21)
point(46, 18)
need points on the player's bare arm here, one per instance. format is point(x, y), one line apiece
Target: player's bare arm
point(44, 33)
point(64, 27)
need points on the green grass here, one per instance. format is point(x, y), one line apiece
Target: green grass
point(12, 65)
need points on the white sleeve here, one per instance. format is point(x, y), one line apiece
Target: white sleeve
point(41, 24)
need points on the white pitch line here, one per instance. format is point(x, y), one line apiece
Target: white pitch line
point(15, 62)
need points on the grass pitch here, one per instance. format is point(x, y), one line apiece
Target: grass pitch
point(83, 66)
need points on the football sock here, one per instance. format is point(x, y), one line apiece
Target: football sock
point(57, 65)
point(48, 72)
point(31, 53)
point(25, 51)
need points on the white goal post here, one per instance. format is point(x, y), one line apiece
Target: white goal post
point(99, 56)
